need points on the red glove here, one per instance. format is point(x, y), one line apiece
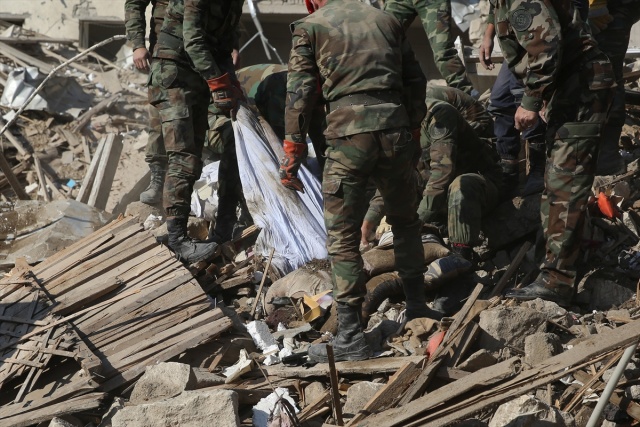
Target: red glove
point(294, 154)
point(224, 92)
point(310, 6)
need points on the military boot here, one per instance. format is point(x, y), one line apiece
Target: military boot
point(537, 160)
point(349, 343)
point(186, 249)
point(414, 292)
point(543, 288)
point(510, 175)
point(153, 194)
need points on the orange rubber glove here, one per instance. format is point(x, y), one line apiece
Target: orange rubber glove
point(224, 92)
point(294, 154)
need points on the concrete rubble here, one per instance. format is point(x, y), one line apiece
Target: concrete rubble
point(138, 339)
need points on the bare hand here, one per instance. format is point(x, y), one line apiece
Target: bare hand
point(525, 119)
point(486, 48)
point(367, 230)
point(141, 59)
point(235, 57)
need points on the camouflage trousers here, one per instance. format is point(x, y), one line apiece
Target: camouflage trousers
point(221, 146)
point(613, 41)
point(385, 156)
point(181, 97)
point(470, 196)
point(575, 117)
point(437, 22)
point(154, 152)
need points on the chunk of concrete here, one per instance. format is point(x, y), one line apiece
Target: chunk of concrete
point(189, 409)
point(633, 392)
point(541, 346)
point(478, 360)
point(508, 326)
point(162, 381)
point(358, 395)
point(550, 308)
point(606, 294)
point(631, 372)
point(527, 411)
point(59, 422)
point(313, 392)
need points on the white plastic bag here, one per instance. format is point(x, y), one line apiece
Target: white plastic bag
point(291, 222)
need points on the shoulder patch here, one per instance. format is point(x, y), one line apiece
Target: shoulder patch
point(521, 20)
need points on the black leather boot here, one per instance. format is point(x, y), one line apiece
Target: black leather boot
point(414, 292)
point(510, 176)
point(186, 249)
point(153, 194)
point(541, 288)
point(349, 343)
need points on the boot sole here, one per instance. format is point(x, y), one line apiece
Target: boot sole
point(150, 201)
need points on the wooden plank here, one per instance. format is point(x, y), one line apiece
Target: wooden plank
point(42, 358)
point(545, 372)
point(389, 393)
point(190, 339)
point(12, 179)
point(36, 39)
point(467, 339)
point(87, 402)
point(89, 176)
point(425, 377)
point(312, 408)
point(76, 66)
point(84, 119)
point(13, 319)
point(632, 408)
point(12, 52)
point(109, 160)
point(511, 270)
point(382, 365)
point(147, 347)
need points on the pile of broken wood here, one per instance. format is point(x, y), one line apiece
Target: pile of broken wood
point(53, 155)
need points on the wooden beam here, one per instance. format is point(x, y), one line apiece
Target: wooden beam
point(12, 52)
point(382, 365)
point(106, 172)
point(13, 180)
point(422, 411)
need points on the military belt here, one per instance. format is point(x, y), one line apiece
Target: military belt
point(369, 98)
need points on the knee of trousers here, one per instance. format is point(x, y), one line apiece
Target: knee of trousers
point(184, 165)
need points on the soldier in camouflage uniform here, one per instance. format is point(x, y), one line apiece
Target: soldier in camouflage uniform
point(463, 177)
point(192, 66)
point(565, 75)
point(472, 110)
point(374, 90)
point(135, 24)
point(611, 22)
point(436, 20)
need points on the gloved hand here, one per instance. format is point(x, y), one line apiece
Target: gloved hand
point(225, 92)
point(599, 16)
point(294, 154)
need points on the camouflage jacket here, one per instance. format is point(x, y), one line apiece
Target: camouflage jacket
point(471, 109)
point(450, 147)
point(200, 32)
point(135, 21)
point(366, 70)
point(541, 40)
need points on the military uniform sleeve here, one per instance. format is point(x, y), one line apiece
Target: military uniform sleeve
point(414, 86)
point(135, 23)
point(440, 136)
point(376, 209)
point(538, 31)
point(302, 87)
point(195, 43)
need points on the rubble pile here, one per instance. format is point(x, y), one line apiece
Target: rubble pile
point(101, 326)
